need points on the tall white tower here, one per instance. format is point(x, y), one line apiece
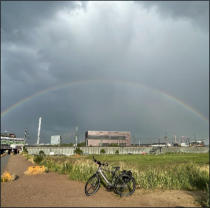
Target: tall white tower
point(39, 128)
point(174, 138)
point(76, 134)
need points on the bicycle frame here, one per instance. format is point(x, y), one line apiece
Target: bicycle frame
point(100, 172)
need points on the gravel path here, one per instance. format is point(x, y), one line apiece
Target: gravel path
point(54, 190)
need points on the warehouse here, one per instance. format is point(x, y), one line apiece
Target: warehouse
point(56, 140)
point(107, 138)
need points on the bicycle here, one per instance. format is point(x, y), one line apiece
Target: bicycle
point(122, 183)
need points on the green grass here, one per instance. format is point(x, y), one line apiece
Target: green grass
point(179, 171)
point(142, 162)
point(168, 171)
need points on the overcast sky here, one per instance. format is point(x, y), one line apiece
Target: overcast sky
point(134, 52)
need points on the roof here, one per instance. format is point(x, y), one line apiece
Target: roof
point(108, 132)
point(107, 137)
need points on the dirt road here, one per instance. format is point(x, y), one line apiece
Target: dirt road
point(4, 160)
point(54, 190)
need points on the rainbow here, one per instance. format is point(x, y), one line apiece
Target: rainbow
point(81, 82)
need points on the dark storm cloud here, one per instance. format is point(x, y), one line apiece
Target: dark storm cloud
point(47, 44)
point(195, 11)
point(21, 62)
point(19, 17)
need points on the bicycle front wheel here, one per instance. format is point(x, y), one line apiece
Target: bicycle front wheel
point(92, 185)
point(125, 186)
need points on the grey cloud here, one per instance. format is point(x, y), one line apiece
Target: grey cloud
point(195, 11)
point(21, 16)
point(171, 57)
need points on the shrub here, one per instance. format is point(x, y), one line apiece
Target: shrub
point(25, 150)
point(102, 151)
point(78, 151)
point(113, 145)
point(41, 153)
point(38, 159)
point(117, 152)
point(82, 144)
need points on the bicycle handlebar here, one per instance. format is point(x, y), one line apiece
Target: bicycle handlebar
point(99, 163)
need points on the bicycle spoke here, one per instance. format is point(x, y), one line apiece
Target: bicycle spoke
point(91, 187)
point(129, 188)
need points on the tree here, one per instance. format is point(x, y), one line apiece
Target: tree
point(78, 151)
point(102, 151)
point(25, 150)
point(41, 153)
point(81, 144)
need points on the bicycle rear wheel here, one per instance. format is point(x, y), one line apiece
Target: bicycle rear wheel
point(125, 186)
point(92, 185)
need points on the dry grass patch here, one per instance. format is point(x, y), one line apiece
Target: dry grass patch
point(31, 160)
point(6, 176)
point(205, 168)
point(34, 170)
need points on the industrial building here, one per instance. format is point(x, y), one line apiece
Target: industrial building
point(10, 143)
point(56, 140)
point(7, 134)
point(107, 138)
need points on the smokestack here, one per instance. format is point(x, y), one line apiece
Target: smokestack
point(39, 128)
point(76, 133)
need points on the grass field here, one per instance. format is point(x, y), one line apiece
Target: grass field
point(179, 171)
point(143, 162)
point(166, 171)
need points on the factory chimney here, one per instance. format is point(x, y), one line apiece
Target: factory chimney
point(39, 128)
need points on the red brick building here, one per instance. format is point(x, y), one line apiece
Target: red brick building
point(107, 138)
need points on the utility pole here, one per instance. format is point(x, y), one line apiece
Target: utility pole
point(195, 137)
point(188, 141)
point(166, 137)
